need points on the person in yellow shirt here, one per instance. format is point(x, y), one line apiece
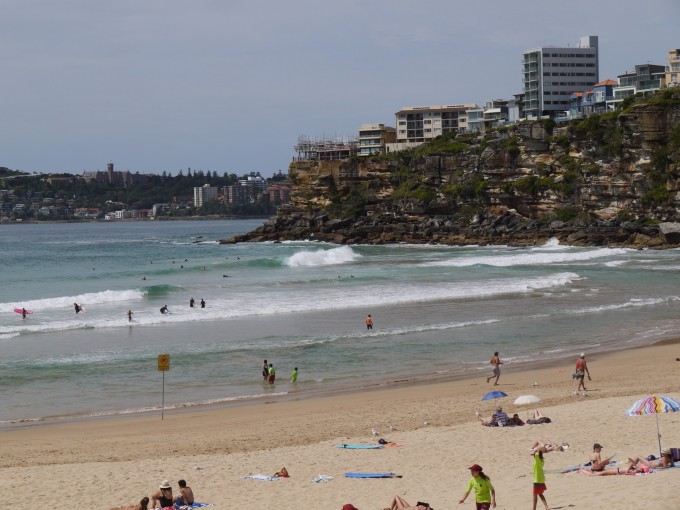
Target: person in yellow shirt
point(485, 494)
point(539, 479)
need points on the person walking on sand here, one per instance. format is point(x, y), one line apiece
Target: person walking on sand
point(485, 494)
point(130, 314)
point(496, 362)
point(369, 322)
point(539, 479)
point(581, 371)
point(293, 375)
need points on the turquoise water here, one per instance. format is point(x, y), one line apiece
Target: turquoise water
point(438, 312)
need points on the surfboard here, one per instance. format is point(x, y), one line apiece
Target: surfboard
point(361, 446)
point(19, 310)
point(371, 475)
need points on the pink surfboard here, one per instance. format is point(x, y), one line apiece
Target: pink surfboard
point(19, 310)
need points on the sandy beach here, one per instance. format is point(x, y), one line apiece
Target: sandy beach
point(105, 462)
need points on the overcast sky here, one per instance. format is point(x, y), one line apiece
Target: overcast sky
point(228, 85)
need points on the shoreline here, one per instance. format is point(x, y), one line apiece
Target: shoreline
point(419, 380)
point(378, 385)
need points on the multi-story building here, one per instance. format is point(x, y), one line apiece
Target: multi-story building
point(592, 101)
point(494, 114)
point(254, 180)
point(237, 194)
point(204, 194)
point(551, 74)
point(373, 138)
point(645, 79)
point(280, 193)
point(420, 124)
point(673, 68)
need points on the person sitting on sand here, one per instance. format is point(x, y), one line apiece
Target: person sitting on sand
point(398, 503)
point(498, 419)
point(186, 496)
point(548, 446)
point(596, 462)
point(142, 505)
point(163, 498)
point(515, 421)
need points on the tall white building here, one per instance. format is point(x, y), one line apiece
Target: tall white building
point(418, 124)
point(204, 194)
point(550, 74)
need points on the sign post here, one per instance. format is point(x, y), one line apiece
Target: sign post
point(163, 366)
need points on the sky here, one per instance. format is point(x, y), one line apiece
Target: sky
point(229, 85)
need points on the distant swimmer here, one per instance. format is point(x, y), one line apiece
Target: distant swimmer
point(164, 309)
point(369, 322)
point(202, 303)
point(144, 278)
point(77, 307)
point(191, 302)
point(130, 314)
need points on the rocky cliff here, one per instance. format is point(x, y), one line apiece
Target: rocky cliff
point(605, 180)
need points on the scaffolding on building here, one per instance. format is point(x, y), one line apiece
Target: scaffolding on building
point(325, 148)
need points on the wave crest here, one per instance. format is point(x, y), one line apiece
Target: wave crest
point(334, 256)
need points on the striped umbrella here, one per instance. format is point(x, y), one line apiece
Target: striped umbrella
point(654, 404)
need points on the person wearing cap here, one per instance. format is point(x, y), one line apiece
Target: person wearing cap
point(596, 462)
point(581, 371)
point(485, 494)
point(162, 498)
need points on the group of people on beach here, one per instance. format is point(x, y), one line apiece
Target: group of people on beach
point(269, 373)
point(163, 498)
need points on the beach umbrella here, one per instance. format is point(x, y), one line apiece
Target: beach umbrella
point(526, 399)
point(494, 394)
point(654, 404)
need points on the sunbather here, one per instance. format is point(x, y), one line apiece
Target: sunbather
point(400, 504)
point(142, 505)
point(548, 446)
point(664, 462)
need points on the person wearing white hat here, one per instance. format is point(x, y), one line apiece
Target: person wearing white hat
point(581, 371)
point(162, 498)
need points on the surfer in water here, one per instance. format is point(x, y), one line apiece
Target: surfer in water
point(191, 302)
point(130, 314)
point(202, 303)
point(23, 313)
point(77, 307)
point(164, 309)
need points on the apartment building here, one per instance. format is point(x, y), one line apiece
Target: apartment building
point(204, 194)
point(373, 138)
point(420, 124)
point(550, 75)
point(673, 68)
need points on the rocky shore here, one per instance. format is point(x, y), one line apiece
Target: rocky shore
point(610, 180)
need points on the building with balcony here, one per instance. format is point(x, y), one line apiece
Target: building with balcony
point(204, 194)
point(646, 79)
point(494, 114)
point(255, 181)
point(591, 101)
point(550, 75)
point(279, 193)
point(373, 139)
point(420, 124)
point(673, 68)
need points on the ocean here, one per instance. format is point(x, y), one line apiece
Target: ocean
point(439, 312)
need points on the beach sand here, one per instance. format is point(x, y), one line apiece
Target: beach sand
point(100, 463)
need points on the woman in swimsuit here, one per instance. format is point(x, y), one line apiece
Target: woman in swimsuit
point(163, 496)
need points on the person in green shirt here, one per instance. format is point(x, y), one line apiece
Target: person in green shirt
point(539, 479)
point(293, 375)
point(485, 494)
point(272, 374)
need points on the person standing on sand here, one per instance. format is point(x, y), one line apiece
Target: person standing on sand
point(539, 479)
point(485, 494)
point(369, 322)
point(496, 362)
point(581, 371)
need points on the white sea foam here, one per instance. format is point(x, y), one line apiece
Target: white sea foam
point(532, 257)
point(90, 298)
point(628, 304)
point(334, 256)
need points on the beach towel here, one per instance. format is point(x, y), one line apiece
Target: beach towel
point(261, 477)
point(361, 446)
point(322, 478)
point(371, 475)
point(195, 505)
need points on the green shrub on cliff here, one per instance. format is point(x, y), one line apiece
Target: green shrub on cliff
point(443, 144)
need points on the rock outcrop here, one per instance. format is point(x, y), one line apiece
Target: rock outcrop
point(608, 180)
